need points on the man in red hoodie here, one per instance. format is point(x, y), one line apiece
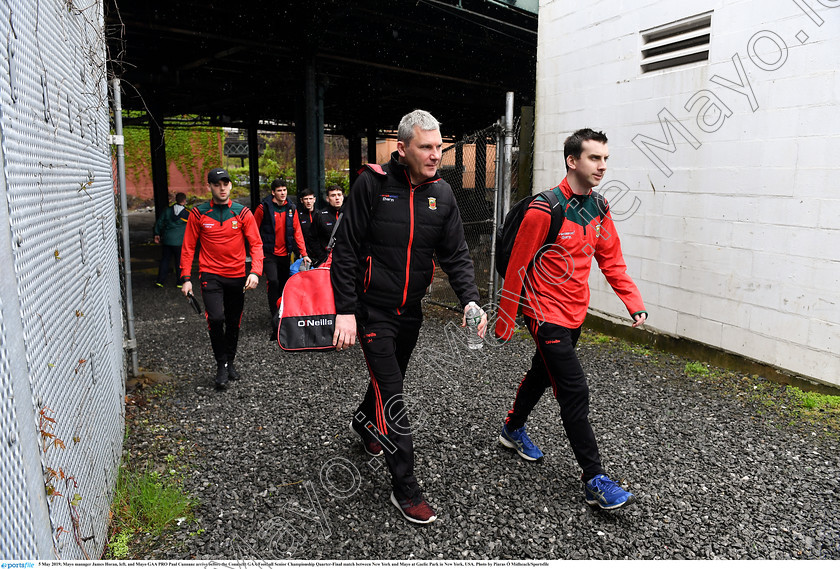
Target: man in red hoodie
point(223, 227)
point(555, 280)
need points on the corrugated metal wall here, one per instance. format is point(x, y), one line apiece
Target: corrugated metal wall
point(61, 338)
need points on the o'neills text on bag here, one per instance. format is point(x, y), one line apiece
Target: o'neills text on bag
point(310, 322)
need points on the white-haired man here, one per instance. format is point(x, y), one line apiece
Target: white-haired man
point(396, 218)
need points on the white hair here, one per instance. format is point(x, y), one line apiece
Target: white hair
point(419, 118)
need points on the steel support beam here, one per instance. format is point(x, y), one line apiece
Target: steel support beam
point(254, 164)
point(160, 167)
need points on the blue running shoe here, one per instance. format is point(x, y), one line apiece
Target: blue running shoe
point(519, 441)
point(606, 494)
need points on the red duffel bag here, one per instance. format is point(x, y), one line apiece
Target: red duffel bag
point(306, 318)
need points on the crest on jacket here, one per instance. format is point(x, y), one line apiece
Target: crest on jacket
point(433, 204)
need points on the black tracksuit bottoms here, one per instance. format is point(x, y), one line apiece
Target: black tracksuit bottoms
point(388, 339)
point(556, 364)
point(224, 300)
point(168, 255)
point(276, 271)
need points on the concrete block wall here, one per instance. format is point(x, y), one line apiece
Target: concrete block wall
point(734, 239)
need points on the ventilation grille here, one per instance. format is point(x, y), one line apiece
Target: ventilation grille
point(678, 43)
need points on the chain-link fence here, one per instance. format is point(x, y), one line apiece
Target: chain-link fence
point(473, 167)
point(470, 166)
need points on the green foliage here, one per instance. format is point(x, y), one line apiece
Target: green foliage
point(336, 177)
point(697, 369)
point(813, 400)
point(118, 545)
point(145, 502)
point(268, 164)
point(193, 151)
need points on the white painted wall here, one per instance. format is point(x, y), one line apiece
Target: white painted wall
point(739, 247)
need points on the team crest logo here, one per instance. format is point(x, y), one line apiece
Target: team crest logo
point(598, 230)
point(234, 224)
point(432, 204)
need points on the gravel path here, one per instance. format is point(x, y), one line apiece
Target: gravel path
point(279, 476)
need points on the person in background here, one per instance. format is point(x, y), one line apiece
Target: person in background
point(306, 218)
point(281, 236)
point(398, 218)
point(169, 233)
point(556, 305)
point(325, 221)
point(227, 233)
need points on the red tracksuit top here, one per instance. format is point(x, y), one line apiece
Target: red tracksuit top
point(555, 289)
point(223, 231)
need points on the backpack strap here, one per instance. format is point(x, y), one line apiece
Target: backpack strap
point(557, 215)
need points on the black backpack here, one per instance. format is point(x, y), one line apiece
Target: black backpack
point(506, 233)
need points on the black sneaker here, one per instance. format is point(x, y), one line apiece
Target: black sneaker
point(415, 510)
point(222, 377)
point(233, 375)
point(372, 446)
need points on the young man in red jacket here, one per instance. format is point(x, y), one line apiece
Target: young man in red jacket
point(223, 227)
point(554, 278)
point(281, 237)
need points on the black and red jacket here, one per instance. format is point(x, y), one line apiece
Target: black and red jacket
point(388, 238)
point(324, 222)
point(306, 219)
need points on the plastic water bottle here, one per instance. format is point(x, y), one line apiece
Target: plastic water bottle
point(474, 341)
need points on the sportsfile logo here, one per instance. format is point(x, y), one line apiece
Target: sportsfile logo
point(304, 322)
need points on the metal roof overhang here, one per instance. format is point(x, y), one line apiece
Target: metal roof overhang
point(235, 63)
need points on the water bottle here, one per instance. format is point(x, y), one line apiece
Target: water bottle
point(474, 341)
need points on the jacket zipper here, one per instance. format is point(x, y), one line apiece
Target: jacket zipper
point(410, 238)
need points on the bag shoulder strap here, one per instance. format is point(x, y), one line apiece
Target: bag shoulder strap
point(557, 214)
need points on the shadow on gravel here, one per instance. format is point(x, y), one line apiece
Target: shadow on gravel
point(279, 475)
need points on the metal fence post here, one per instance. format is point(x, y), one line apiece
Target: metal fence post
point(507, 167)
point(119, 141)
point(497, 220)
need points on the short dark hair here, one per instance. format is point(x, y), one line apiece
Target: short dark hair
point(180, 197)
point(305, 192)
point(573, 145)
point(335, 187)
point(278, 183)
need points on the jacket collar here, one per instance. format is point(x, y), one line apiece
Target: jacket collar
point(400, 170)
point(569, 194)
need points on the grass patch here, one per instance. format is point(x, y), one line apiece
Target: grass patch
point(812, 400)
point(697, 369)
point(145, 502)
point(589, 337)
